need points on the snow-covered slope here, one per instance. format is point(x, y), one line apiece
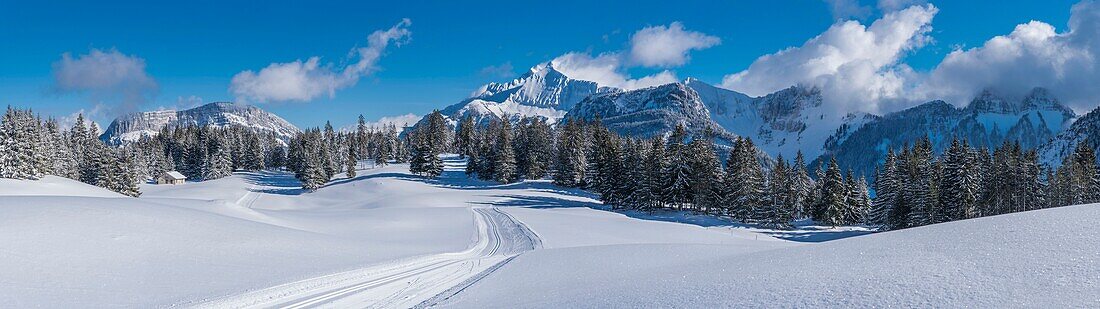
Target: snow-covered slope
point(543, 92)
point(649, 111)
point(988, 120)
point(133, 127)
point(1088, 126)
point(784, 122)
point(1044, 258)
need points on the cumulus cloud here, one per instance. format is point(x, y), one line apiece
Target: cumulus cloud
point(115, 82)
point(607, 70)
point(305, 80)
point(848, 9)
point(652, 47)
point(1032, 55)
point(661, 46)
point(853, 64)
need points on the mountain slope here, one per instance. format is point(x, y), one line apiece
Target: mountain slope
point(1085, 128)
point(784, 122)
point(649, 111)
point(134, 126)
point(543, 92)
point(987, 121)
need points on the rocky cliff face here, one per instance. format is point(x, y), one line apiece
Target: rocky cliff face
point(133, 127)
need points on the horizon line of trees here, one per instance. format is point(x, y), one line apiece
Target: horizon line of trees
point(915, 187)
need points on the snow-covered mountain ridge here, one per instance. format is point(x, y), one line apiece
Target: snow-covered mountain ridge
point(132, 127)
point(987, 121)
point(543, 92)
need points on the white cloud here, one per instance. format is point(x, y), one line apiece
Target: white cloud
point(117, 83)
point(399, 121)
point(847, 9)
point(654, 47)
point(1032, 55)
point(661, 46)
point(306, 80)
point(606, 70)
point(857, 67)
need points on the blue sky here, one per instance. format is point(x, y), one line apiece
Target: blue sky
point(195, 48)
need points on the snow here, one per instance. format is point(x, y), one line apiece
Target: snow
point(188, 243)
point(51, 186)
point(1045, 258)
point(386, 238)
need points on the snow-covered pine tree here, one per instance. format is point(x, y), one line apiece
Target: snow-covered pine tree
point(635, 189)
point(539, 148)
point(473, 153)
point(919, 188)
point(19, 136)
point(125, 178)
point(464, 137)
point(219, 162)
point(887, 192)
point(801, 186)
point(329, 151)
point(777, 211)
point(863, 199)
point(706, 175)
point(959, 194)
point(654, 167)
point(353, 158)
point(834, 196)
point(746, 182)
point(504, 156)
point(570, 159)
point(361, 138)
point(677, 173)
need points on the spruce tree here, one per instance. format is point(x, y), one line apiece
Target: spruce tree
point(834, 196)
point(503, 155)
point(677, 174)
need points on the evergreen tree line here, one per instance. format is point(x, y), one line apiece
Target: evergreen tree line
point(316, 155)
point(677, 172)
point(684, 173)
point(207, 152)
point(914, 187)
point(497, 151)
point(31, 148)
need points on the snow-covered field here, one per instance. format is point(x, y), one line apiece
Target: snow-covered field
point(389, 239)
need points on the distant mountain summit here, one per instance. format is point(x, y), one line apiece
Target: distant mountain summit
point(132, 127)
point(987, 121)
point(788, 121)
point(542, 92)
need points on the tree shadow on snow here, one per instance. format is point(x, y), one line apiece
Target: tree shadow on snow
point(539, 202)
point(276, 182)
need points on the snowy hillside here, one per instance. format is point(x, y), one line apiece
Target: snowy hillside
point(133, 127)
point(784, 122)
point(1044, 258)
point(988, 121)
point(1061, 146)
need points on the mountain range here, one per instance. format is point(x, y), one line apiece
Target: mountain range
point(132, 127)
point(786, 122)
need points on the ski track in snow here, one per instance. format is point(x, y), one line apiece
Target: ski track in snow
point(418, 281)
